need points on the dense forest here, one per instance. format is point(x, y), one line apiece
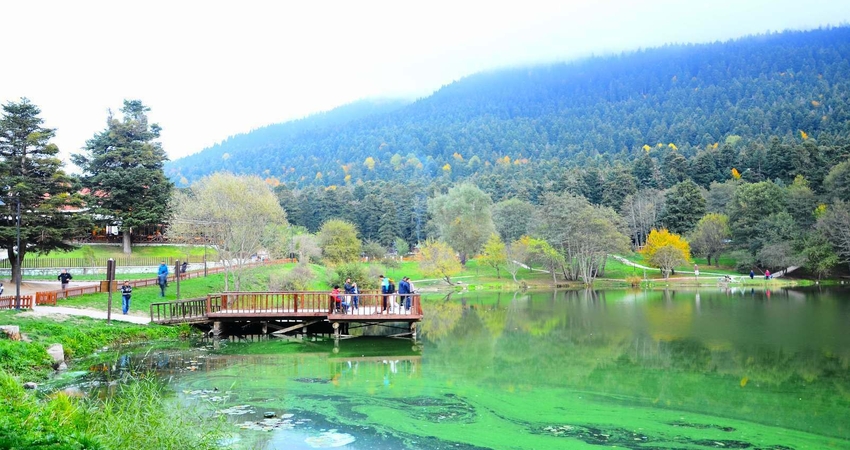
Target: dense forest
point(543, 120)
point(662, 136)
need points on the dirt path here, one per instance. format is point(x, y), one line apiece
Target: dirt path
point(31, 287)
point(59, 311)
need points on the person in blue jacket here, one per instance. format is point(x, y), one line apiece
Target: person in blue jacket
point(162, 278)
point(404, 293)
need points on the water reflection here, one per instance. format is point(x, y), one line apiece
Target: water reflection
point(635, 369)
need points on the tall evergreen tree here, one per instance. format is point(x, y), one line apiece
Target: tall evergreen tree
point(684, 205)
point(674, 168)
point(123, 170)
point(644, 172)
point(32, 176)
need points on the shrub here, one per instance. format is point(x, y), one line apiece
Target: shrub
point(634, 280)
point(297, 279)
point(356, 271)
point(374, 250)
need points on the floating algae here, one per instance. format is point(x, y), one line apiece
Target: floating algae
point(330, 439)
point(237, 410)
point(268, 424)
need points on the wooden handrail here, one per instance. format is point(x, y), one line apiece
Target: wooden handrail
point(317, 303)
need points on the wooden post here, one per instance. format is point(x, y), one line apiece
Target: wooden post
point(110, 277)
point(177, 276)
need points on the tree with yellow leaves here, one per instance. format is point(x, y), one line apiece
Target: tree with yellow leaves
point(666, 250)
point(494, 254)
point(436, 258)
point(369, 163)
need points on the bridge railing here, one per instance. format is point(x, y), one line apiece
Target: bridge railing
point(315, 303)
point(180, 311)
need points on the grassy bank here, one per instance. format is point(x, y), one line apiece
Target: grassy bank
point(139, 414)
point(79, 336)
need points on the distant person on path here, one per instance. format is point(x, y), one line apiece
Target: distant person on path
point(162, 278)
point(126, 291)
point(696, 270)
point(64, 278)
point(183, 268)
point(752, 274)
point(767, 274)
point(1, 288)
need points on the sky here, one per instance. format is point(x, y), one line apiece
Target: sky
point(212, 69)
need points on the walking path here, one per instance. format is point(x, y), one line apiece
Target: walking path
point(633, 264)
point(44, 311)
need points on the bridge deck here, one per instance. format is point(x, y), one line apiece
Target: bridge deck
point(256, 306)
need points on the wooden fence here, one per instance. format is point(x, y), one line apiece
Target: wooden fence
point(10, 302)
point(130, 261)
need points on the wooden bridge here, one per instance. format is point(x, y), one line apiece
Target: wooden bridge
point(292, 311)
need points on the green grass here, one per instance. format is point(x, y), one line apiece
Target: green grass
point(78, 336)
point(115, 251)
point(139, 413)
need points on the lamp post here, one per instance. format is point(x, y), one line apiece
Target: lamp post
point(18, 254)
point(17, 250)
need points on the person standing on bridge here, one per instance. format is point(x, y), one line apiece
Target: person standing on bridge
point(404, 293)
point(64, 278)
point(162, 278)
point(347, 289)
point(385, 287)
point(126, 291)
point(355, 295)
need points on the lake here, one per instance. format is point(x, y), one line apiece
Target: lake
point(656, 369)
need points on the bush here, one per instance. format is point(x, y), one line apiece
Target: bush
point(356, 271)
point(744, 261)
point(374, 250)
point(297, 279)
point(391, 263)
point(634, 280)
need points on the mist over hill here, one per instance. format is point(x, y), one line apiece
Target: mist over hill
point(531, 121)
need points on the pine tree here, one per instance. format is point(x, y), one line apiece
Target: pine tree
point(123, 170)
point(32, 176)
point(683, 207)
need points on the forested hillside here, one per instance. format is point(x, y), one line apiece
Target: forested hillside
point(738, 146)
point(541, 120)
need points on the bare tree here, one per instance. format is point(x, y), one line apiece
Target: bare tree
point(235, 212)
point(516, 254)
point(641, 212)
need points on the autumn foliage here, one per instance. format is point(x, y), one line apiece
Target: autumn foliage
point(666, 250)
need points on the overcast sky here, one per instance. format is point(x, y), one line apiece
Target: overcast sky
point(213, 69)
